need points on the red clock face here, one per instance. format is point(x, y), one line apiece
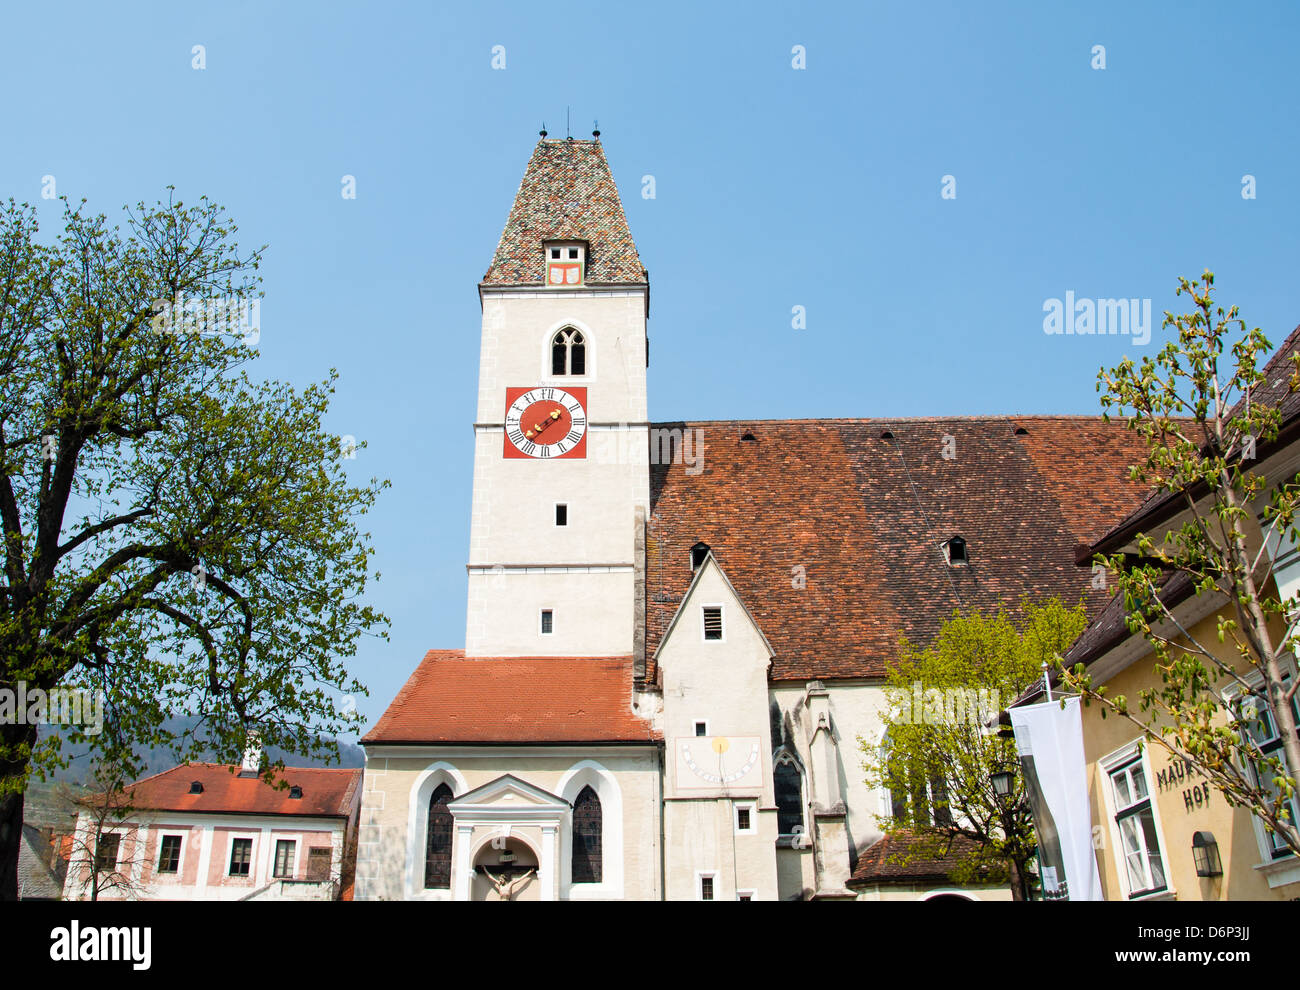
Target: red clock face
point(546, 423)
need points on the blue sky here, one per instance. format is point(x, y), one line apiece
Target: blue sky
point(775, 188)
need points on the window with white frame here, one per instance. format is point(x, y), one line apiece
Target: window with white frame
point(547, 622)
point(286, 855)
point(568, 352)
point(106, 851)
point(1141, 860)
point(169, 854)
point(706, 886)
point(1259, 731)
point(746, 818)
point(241, 857)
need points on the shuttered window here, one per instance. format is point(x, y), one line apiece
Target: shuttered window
point(713, 622)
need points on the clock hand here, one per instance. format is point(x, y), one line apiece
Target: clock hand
point(555, 414)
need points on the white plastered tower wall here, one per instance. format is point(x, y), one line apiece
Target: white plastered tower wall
point(520, 561)
point(723, 683)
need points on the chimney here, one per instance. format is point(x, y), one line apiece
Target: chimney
point(252, 755)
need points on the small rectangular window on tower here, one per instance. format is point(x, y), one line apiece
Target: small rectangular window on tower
point(713, 622)
point(548, 622)
point(706, 887)
point(561, 514)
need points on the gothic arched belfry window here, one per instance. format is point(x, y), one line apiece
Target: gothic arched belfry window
point(568, 352)
point(587, 827)
point(437, 860)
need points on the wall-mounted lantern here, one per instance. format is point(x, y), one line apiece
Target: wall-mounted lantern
point(1205, 851)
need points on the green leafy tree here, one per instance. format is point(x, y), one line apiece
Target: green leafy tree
point(939, 753)
point(1202, 424)
point(177, 535)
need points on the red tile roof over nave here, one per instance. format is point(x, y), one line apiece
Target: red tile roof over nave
point(865, 515)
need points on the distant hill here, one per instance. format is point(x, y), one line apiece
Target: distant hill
point(156, 759)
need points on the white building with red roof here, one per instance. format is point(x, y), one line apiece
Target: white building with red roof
point(206, 831)
point(677, 632)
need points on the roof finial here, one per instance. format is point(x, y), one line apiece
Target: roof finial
point(542, 132)
point(596, 129)
point(568, 134)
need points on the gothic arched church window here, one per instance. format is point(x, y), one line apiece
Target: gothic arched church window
point(568, 353)
point(437, 860)
point(587, 827)
point(787, 779)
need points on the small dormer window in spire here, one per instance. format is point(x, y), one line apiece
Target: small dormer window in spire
point(565, 261)
point(954, 549)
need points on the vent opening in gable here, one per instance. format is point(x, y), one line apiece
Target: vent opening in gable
point(698, 553)
point(749, 438)
point(713, 622)
point(1021, 431)
point(295, 792)
point(886, 436)
point(196, 787)
point(955, 550)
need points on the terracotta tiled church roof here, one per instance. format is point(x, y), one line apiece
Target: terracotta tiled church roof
point(451, 699)
point(859, 517)
point(567, 193)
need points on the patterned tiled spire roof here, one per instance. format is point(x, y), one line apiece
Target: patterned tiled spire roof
point(567, 193)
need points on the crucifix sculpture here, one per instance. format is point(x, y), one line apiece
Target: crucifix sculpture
point(509, 877)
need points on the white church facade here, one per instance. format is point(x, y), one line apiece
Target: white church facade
point(677, 632)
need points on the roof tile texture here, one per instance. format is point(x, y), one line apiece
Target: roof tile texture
point(451, 699)
point(326, 792)
point(865, 517)
point(879, 862)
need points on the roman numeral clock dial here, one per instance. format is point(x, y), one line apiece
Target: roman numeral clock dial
point(546, 423)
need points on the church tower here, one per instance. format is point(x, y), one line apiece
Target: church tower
point(561, 476)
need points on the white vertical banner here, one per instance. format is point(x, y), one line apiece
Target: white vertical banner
point(1049, 739)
